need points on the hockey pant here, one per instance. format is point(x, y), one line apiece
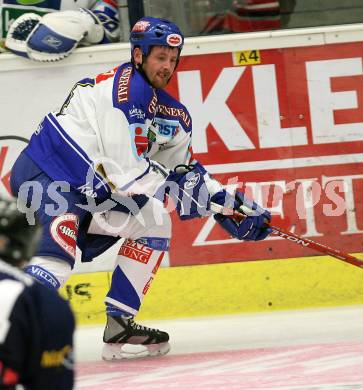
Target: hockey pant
point(139, 257)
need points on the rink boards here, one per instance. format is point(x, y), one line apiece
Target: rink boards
point(228, 288)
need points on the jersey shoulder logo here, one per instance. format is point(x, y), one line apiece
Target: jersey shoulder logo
point(123, 84)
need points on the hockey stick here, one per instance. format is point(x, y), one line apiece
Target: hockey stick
point(305, 242)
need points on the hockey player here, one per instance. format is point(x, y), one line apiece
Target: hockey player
point(36, 324)
point(51, 30)
point(98, 169)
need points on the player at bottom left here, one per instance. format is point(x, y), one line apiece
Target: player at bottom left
point(36, 324)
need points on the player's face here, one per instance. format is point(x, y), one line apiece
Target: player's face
point(160, 65)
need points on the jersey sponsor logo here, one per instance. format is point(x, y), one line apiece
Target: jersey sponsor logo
point(141, 141)
point(87, 190)
point(152, 104)
point(192, 181)
point(176, 112)
point(63, 230)
point(141, 26)
point(174, 40)
point(137, 112)
point(136, 251)
point(167, 128)
point(40, 273)
point(123, 85)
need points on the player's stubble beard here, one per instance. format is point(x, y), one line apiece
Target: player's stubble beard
point(158, 79)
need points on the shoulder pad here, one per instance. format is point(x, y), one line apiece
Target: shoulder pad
point(132, 94)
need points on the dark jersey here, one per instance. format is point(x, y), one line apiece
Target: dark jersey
point(36, 334)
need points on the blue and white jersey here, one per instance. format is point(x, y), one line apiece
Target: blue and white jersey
point(109, 131)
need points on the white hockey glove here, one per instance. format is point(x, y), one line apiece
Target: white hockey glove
point(55, 35)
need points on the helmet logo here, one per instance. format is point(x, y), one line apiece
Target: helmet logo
point(174, 40)
point(141, 26)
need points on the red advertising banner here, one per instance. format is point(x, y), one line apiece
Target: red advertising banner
point(286, 126)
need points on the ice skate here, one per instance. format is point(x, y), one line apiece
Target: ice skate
point(125, 339)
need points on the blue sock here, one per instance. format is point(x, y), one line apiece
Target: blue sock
point(114, 311)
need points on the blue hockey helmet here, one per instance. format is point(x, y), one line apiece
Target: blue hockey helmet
point(149, 31)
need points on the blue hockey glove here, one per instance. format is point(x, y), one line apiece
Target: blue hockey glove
point(253, 227)
point(186, 186)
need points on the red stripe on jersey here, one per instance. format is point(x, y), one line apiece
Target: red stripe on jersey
point(106, 75)
point(157, 265)
point(111, 2)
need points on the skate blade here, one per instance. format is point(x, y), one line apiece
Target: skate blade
point(113, 351)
